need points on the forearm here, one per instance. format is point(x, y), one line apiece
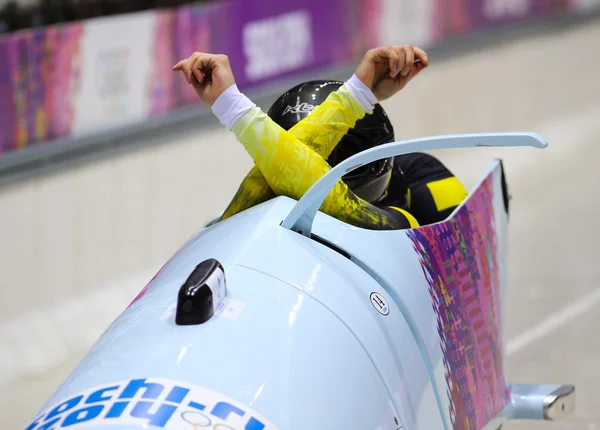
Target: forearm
point(330, 121)
point(290, 168)
point(253, 191)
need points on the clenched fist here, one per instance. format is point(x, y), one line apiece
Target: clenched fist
point(386, 70)
point(210, 74)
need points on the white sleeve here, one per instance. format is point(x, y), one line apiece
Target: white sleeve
point(231, 105)
point(362, 93)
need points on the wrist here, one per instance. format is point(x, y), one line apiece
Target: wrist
point(226, 86)
point(230, 105)
point(365, 76)
point(362, 93)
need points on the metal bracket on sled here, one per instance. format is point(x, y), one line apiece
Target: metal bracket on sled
point(301, 217)
point(540, 402)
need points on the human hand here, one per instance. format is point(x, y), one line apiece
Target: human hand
point(210, 74)
point(387, 69)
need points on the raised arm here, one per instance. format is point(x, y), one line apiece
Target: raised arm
point(290, 167)
point(321, 131)
point(287, 164)
point(328, 122)
point(382, 73)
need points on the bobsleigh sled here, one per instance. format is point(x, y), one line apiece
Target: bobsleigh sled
point(283, 317)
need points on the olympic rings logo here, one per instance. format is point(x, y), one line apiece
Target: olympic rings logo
point(199, 421)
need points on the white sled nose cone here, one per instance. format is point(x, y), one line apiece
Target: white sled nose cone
point(560, 403)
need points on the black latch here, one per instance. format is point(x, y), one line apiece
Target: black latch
point(201, 294)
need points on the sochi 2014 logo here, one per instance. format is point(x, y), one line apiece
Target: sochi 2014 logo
point(154, 402)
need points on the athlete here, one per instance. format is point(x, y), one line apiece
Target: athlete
point(319, 121)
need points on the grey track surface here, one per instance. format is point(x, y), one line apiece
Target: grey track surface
point(555, 240)
point(555, 209)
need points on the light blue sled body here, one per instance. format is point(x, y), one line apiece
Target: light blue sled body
point(324, 325)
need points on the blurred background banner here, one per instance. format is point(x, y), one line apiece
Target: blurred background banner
point(86, 77)
point(408, 21)
point(271, 38)
point(117, 64)
point(38, 72)
point(490, 13)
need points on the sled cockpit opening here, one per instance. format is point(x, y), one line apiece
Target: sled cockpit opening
point(329, 245)
point(300, 219)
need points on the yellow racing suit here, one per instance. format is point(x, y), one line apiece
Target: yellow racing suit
point(290, 162)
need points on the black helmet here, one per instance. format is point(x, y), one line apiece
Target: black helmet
point(369, 181)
